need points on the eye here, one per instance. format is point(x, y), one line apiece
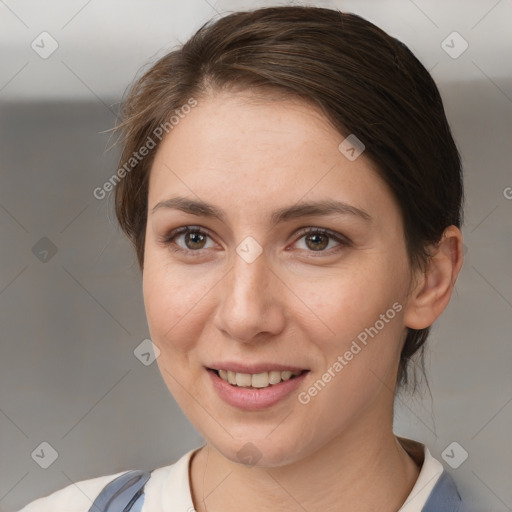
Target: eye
point(191, 240)
point(187, 239)
point(322, 240)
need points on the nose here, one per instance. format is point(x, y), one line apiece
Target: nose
point(250, 305)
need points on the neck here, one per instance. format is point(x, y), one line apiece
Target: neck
point(359, 471)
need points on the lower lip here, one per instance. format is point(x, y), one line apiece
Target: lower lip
point(254, 399)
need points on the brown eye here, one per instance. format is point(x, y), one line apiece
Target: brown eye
point(317, 242)
point(187, 239)
point(321, 241)
point(194, 240)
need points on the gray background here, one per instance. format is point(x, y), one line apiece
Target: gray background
point(70, 320)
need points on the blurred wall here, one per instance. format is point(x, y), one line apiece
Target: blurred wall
point(71, 310)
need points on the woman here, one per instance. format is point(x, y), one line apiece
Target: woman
point(293, 193)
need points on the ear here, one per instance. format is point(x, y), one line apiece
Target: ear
point(433, 286)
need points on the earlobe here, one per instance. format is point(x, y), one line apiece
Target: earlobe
point(434, 286)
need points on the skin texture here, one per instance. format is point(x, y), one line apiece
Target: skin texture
point(292, 305)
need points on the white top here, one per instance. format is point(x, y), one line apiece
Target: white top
point(169, 487)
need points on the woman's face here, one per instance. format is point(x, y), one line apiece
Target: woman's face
point(272, 277)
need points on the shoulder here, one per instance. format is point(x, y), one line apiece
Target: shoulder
point(168, 485)
point(76, 497)
point(445, 496)
point(435, 490)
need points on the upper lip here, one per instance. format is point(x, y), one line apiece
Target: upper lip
point(253, 368)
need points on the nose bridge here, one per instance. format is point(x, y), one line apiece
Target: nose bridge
point(248, 282)
point(248, 304)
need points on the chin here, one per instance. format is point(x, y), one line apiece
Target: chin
point(262, 452)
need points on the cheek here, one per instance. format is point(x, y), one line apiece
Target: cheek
point(173, 301)
point(359, 351)
point(174, 309)
point(359, 335)
point(346, 301)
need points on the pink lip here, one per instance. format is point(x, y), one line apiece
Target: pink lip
point(253, 368)
point(253, 399)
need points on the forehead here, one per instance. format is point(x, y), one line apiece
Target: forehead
point(240, 123)
point(242, 147)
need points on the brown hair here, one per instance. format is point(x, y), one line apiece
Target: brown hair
point(365, 81)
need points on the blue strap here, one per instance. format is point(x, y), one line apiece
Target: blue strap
point(137, 506)
point(444, 496)
point(124, 493)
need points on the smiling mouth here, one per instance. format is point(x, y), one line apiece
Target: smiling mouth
point(256, 380)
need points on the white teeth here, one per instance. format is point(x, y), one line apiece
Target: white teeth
point(257, 380)
point(260, 380)
point(243, 380)
point(274, 377)
point(286, 375)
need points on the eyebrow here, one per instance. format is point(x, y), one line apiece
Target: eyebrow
point(302, 209)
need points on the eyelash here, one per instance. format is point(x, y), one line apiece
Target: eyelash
point(168, 240)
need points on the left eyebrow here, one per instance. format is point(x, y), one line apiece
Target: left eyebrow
point(303, 209)
point(317, 208)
